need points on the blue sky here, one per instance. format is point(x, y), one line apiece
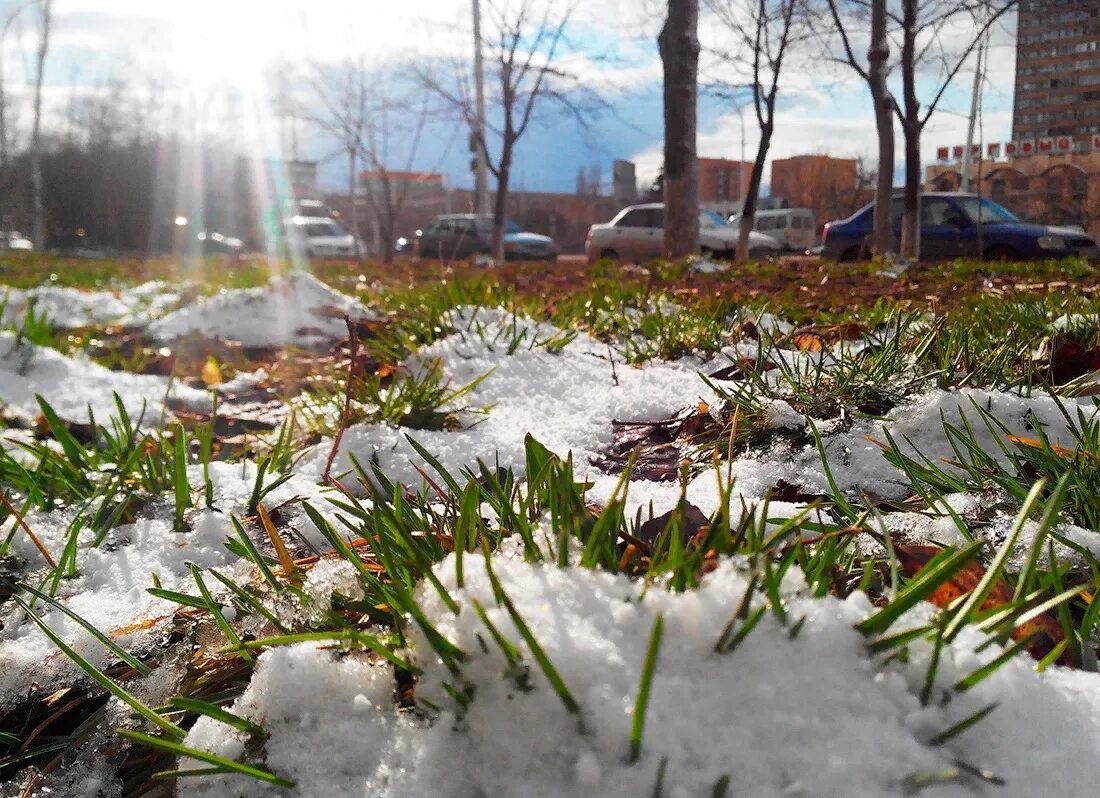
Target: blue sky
point(207, 45)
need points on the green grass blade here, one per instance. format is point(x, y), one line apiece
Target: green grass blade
point(175, 748)
point(101, 678)
point(649, 667)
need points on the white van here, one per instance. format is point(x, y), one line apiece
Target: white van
point(793, 228)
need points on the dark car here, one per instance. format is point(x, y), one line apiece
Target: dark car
point(457, 236)
point(956, 225)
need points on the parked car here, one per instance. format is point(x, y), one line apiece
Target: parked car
point(793, 228)
point(321, 237)
point(13, 239)
point(218, 244)
point(957, 225)
point(457, 236)
point(637, 234)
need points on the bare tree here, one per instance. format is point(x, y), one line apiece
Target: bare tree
point(46, 19)
point(344, 96)
point(366, 111)
point(525, 40)
point(5, 119)
point(678, 43)
point(924, 41)
point(846, 17)
point(763, 34)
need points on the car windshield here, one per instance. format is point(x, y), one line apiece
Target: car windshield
point(485, 226)
point(985, 210)
point(711, 219)
point(323, 229)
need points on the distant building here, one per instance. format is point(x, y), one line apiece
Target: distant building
point(1057, 71)
point(411, 184)
point(723, 183)
point(624, 182)
point(830, 187)
point(565, 217)
point(1052, 188)
point(1050, 171)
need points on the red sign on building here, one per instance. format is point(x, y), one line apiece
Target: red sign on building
point(1011, 148)
point(1046, 145)
point(993, 150)
point(957, 151)
point(942, 153)
point(1096, 142)
point(1064, 143)
point(1027, 147)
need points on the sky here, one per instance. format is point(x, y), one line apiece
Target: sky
point(231, 48)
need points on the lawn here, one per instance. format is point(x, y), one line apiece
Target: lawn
point(792, 529)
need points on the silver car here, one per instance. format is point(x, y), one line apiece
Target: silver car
point(321, 237)
point(637, 234)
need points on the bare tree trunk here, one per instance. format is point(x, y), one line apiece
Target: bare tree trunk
point(748, 208)
point(911, 127)
point(500, 199)
point(877, 55)
point(679, 47)
point(353, 196)
point(36, 140)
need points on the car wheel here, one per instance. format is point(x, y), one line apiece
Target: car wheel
point(610, 254)
point(850, 254)
point(1001, 253)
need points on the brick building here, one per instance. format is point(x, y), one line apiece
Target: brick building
point(1052, 188)
point(1050, 171)
point(723, 183)
point(564, 217)
point(831, 187)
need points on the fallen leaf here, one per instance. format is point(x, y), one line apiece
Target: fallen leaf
point(912, 558)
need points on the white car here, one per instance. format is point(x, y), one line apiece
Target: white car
point(14, 240)
point(637, 234)
point(321, 237)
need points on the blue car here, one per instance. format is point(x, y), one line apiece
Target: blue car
point(956, 225)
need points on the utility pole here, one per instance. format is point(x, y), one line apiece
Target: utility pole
point(481, 157)
point(975, 96)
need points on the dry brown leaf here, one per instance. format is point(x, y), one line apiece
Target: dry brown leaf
point(913, 558)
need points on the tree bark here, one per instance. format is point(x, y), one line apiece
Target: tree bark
point(911, 127)
point(36, 127)
point(748, 208)
point(877, 56)
point(500, 199)
point(353, 196)
point(678, 44)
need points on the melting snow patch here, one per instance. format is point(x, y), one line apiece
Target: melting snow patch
point(76, 388)
point(297, 309)
point(810, 715)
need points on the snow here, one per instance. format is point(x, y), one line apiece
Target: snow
point(110, 589)
point(69, 308)
point(565, 400)
point(781, 716)
point(812, 714)
point(296, 309)
point(78, 389)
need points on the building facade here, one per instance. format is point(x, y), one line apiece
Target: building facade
point(1051, 188)
point(564, 217)
point(1050, 171)
point(723, 183)
point(1057, 71)
point(831, 187)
